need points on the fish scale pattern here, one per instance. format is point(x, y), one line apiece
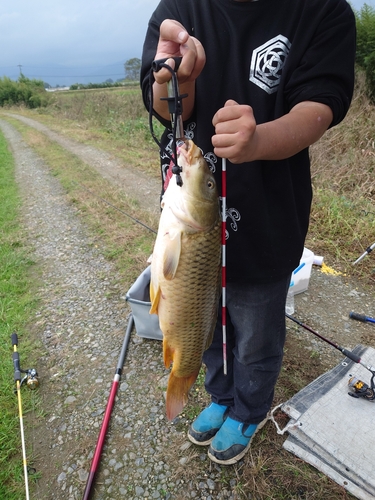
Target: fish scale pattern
point(190, 300)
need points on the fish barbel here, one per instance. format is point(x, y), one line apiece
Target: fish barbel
point(185, 272)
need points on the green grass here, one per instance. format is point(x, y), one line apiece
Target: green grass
point(16, 305)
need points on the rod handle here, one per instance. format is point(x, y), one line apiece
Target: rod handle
point(358, 317)
point(14, 338)
point(17, 369)
point(351, 355)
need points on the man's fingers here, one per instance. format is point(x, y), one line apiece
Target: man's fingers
point(231, 102)
point(173, 31)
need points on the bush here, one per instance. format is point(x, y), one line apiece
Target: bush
point(365, 55)
point(30, 93)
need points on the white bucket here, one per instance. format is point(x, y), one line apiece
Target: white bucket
point(301, 275)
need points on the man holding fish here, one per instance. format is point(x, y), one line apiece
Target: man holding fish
point(265, 79)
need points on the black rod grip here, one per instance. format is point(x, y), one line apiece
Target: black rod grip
point(14, 338)
point(358, 317)
point(16, 364)
point(351, 355)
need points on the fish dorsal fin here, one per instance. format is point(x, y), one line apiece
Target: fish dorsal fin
point(172, 254)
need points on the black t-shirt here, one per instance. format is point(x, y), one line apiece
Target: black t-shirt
point(271, 55)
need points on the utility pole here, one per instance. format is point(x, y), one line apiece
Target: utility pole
point(20, 66)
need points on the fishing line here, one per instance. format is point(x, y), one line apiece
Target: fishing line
point(114, 206)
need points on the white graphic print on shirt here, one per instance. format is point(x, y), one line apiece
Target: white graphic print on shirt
point(267, 63)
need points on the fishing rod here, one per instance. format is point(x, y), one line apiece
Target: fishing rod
point(108, 411)
point(361, 317)
point(360, 388)
point(32, 381)
point(368, 250)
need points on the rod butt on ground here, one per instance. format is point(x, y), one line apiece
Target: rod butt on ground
point(107, 415)
point(361, 317)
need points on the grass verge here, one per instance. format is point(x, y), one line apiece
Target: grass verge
point(106, 209)
point(16, 306)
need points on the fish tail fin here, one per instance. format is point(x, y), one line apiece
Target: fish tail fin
point(177, 393)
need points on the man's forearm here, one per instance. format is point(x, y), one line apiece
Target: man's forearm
point(288, 135)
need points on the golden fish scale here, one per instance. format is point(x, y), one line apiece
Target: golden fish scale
point(189, 302)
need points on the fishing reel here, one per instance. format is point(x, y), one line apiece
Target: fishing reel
point(30, 379)
point(362, 390)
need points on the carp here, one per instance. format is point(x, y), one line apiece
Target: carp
point(185, 272)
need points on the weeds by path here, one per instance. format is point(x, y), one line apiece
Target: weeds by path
point(16, 305)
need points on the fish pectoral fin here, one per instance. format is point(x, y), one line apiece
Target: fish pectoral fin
point(177, 393)
point(154, 297)
point(172, 255)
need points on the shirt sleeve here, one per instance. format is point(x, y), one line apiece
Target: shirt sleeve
point(325, 73)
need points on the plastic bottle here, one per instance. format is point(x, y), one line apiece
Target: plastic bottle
point(289, 305)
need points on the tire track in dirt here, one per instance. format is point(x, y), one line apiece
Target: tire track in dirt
point(136, 184)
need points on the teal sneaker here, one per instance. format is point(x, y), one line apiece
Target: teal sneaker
point(206, 425)
point(232, 441)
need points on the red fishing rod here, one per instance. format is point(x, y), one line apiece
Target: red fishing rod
point(108, 411)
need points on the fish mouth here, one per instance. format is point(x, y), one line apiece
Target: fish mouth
point(183, 151)
point(187, 153)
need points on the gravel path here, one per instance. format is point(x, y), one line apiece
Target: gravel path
point(82, 321)
point(145, 189)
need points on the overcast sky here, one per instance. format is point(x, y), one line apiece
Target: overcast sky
point(75, 33)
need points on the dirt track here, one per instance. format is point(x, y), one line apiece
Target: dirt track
point(82, 308)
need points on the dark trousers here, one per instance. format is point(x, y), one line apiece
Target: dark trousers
point(255, 344)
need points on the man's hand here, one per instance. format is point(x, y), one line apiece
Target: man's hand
point(235, 129)
point(238, 137)
point(175, 41)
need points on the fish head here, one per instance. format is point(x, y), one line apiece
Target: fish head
point(198, 180)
